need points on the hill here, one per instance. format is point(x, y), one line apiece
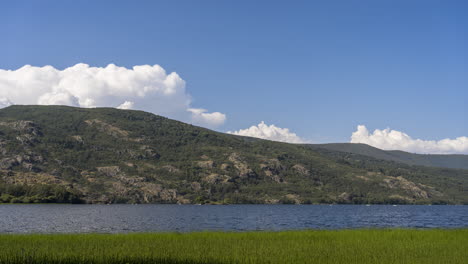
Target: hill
point(106, 155)
point(445, 161)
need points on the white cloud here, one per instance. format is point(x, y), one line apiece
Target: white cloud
point(126, 105)
point(58, 98)
point(143, 87)
point(270, 132)
point(200, 116)
point(395, 140)
point(4, 102)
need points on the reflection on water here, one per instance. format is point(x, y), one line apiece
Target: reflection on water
point(56, 218)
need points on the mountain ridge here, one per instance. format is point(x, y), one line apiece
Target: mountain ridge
point(107, 155)
point(455, 161)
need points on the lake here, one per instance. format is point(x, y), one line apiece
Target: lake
point(61, 218)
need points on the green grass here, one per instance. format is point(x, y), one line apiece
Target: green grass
point(344, 246)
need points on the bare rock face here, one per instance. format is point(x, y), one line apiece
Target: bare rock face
point(110, 171)
point(272, 169)
point(431, 191)
point(171, 169)
point(206, 164)
point(130, 165)
point(32, 178)
point(27, 166)
point(272, 201)
point(215, 178)
point(149, 152)
point(108, 128)
point(27, 161)
point(196, 186)
point(78, 139)
point(294, 197)
point(168, 194)
point(402, 183)
point(8, 163)
point(225, 166)
point(152, 192)
point(26, 139)
point(28, 131)
point(345, 197)
point(301, 170)
point(241, 166)
point(23, 126)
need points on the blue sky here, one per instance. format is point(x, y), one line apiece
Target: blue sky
point(319, 68)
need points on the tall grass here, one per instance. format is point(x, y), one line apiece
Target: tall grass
point(344, 246)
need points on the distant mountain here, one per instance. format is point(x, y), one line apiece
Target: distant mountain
point(445, 161)
point(106, 155)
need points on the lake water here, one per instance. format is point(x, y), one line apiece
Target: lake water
point(56, 218)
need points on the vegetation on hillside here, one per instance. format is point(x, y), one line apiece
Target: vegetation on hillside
point(106, 155)
point(454, 161)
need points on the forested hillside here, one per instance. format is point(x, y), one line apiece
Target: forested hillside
point(106, 155)
point(455, 161)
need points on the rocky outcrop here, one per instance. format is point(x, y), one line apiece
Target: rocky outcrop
point(23, 126)
point(293, 197)
point(108, 128)
point(32, 178)
point(27, 161)
point(171, 169)
point(155, 192)
point(215, 178)
point(8, 163)
point(301, 170)
point(110, 171)
point(28, 131)
point(225, 166)
point(345, 197)
point(206, 164)
point(272, 169)
point(402, 183)
point(196, 186)
point(241, 166)
point(78, 139)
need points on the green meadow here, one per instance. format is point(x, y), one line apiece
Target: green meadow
point(343, 246)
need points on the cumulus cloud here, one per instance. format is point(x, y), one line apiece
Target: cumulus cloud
point(126, 105)
point(143, 87)
point(201, 116)
point(270, 132)
point(395, 140)
point(4, 102)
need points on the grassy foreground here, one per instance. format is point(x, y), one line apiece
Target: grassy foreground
point(345, 246)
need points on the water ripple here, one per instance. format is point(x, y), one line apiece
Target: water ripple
point(55, 218)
